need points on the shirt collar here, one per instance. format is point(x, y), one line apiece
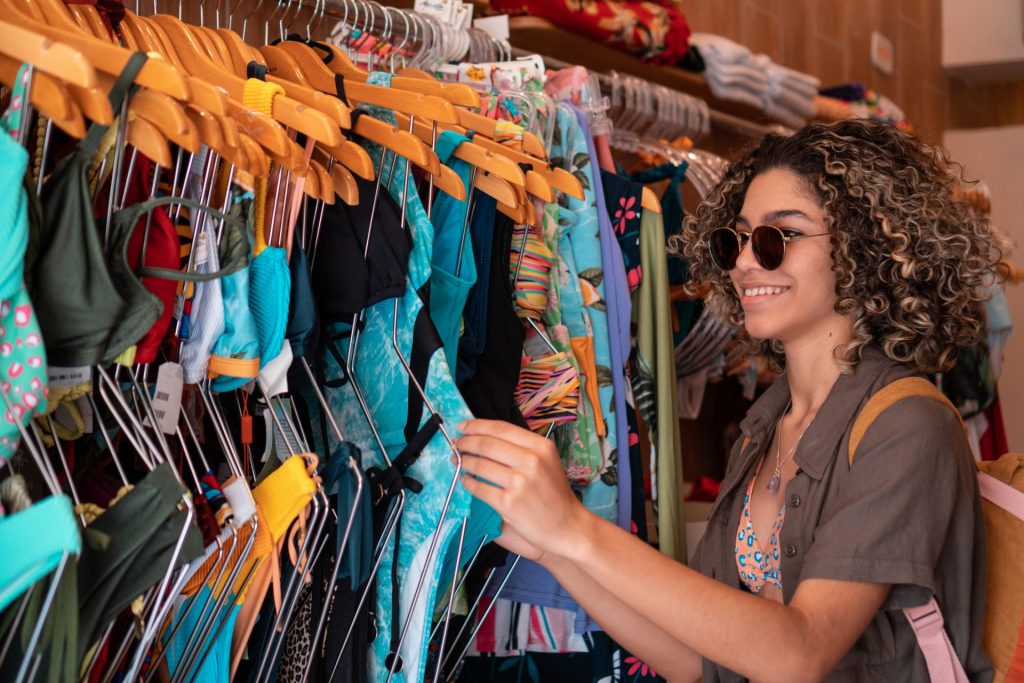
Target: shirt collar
point(825, 433)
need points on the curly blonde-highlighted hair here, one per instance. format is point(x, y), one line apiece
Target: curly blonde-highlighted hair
point(910, 260)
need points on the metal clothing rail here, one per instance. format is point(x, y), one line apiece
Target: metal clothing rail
point(720, 120)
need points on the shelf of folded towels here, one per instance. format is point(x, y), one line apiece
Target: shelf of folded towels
point(736, 81)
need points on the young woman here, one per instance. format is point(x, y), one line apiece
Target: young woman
point(843, 254)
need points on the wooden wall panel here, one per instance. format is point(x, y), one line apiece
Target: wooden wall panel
point(832, 38)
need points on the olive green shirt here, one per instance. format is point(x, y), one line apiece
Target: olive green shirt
point(908, 513)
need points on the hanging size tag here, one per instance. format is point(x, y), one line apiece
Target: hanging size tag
point(62, 378)
point(496, 26)
point(239, 497)
point(246, 430)
point(167, 396)
point(274, 375)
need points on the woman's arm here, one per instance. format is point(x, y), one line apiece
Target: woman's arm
point(666, 655)
point(520, 475)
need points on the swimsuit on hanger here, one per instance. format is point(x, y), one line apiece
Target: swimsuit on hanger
point(22, 354)
point(78, 300)
point(386, 386)
point(474, 315)
point(452, 273)
point(127, 550)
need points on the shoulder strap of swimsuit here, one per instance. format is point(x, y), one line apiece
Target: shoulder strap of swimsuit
point(233, 249)
point(124, 86)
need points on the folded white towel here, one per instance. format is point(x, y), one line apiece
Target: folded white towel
point(785, 115)
point(735, 93)
point(720, 48)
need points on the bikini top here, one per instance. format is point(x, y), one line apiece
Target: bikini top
point(344, 282)
point(143, 307)
point(78, 301)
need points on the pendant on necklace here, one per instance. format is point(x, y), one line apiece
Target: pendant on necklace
point(774, 483)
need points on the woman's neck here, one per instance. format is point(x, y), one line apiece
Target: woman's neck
point(811, 369)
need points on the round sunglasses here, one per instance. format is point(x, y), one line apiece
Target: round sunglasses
point(767, 241)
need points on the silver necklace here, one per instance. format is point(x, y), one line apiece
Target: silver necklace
point(776, 481)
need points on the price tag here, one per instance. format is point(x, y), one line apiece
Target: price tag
point(496, 26)
point(167, 396)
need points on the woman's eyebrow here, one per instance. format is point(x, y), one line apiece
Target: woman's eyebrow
point(773, 216)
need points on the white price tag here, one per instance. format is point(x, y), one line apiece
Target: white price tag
point(496, 26)
point(62, 378)
point(167, 396)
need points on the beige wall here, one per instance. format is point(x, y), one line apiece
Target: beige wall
point(994, 154)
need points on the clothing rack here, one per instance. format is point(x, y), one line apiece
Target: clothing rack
point(737, 122)
point(720, 119)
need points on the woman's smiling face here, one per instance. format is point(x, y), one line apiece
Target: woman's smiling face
point(797, 299)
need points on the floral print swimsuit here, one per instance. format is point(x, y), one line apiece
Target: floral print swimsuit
point(758, 566)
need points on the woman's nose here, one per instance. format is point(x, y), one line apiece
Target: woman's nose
point(745, 260)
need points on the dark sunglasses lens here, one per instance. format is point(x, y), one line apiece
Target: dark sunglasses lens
point(769, 247)
point(725, 247)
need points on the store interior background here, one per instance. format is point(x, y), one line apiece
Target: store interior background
point(978, 117)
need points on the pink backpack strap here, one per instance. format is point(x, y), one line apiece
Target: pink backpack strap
point(1001, 494)
point(939, 655)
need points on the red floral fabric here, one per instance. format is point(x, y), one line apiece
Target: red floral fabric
point(655, 29)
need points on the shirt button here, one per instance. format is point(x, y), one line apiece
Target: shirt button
point(790, 550)
point(794, 501)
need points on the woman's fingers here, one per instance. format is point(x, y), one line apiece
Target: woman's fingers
point(505, 431)
point(495, 473)
point(493, 448)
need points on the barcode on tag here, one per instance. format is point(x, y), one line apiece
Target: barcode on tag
point(167, 396)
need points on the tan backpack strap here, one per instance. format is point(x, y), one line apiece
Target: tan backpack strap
point(888, 396)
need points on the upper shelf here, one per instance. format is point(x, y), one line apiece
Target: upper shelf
point(541, 36)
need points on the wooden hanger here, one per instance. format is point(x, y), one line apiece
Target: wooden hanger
point(447, 181)
point(204, 94)
point(145, 137)
point(414, 80)
point(345, 185)
point(111, 59)
point(559, 178)
point(168, 116)
point(496, 187)
point(89, 19)
point(57, 59)
point(208, 128)
point(285, 110)
point(328, 193)
point(321, 77)
point(311, 184)
point(355, 158)
point(496, 164)
point(257, 156)
point(48, 95)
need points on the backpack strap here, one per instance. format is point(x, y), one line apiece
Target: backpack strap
point(888, 396)
point(1002, 495)
point(926, 620)
point(939, 656)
